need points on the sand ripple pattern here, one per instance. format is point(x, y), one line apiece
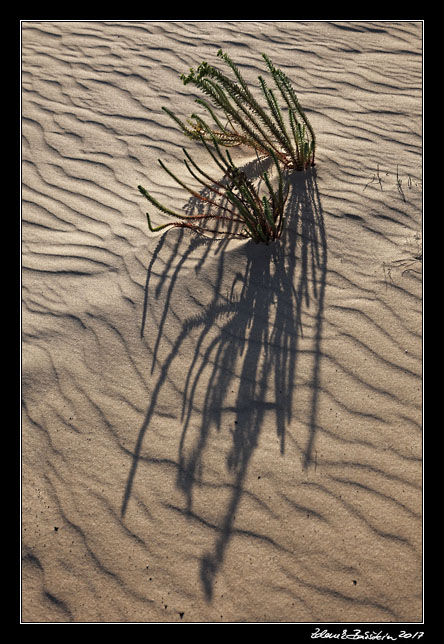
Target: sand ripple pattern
point(219, 432)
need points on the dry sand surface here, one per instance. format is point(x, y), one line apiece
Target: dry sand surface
point(224, 431)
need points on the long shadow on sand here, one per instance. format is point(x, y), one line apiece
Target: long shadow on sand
point(254, 354)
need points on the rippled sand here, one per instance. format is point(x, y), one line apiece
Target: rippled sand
point(224, 431)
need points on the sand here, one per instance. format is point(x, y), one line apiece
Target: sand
point(220, 432)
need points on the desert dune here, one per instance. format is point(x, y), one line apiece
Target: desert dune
point(218, 431)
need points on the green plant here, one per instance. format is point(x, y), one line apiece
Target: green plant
point(262, 127)
point(234, 202)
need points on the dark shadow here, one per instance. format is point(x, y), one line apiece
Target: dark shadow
point(255, 354)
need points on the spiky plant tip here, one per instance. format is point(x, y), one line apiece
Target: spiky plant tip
point(203, 69)
point(186, 78)
point(195, 76)
point(155, 229)
point(142, 190)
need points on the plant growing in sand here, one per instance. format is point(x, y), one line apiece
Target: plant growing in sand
point(267, 127)
point(234, 202)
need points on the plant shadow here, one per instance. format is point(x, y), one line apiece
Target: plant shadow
point(255, 354)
